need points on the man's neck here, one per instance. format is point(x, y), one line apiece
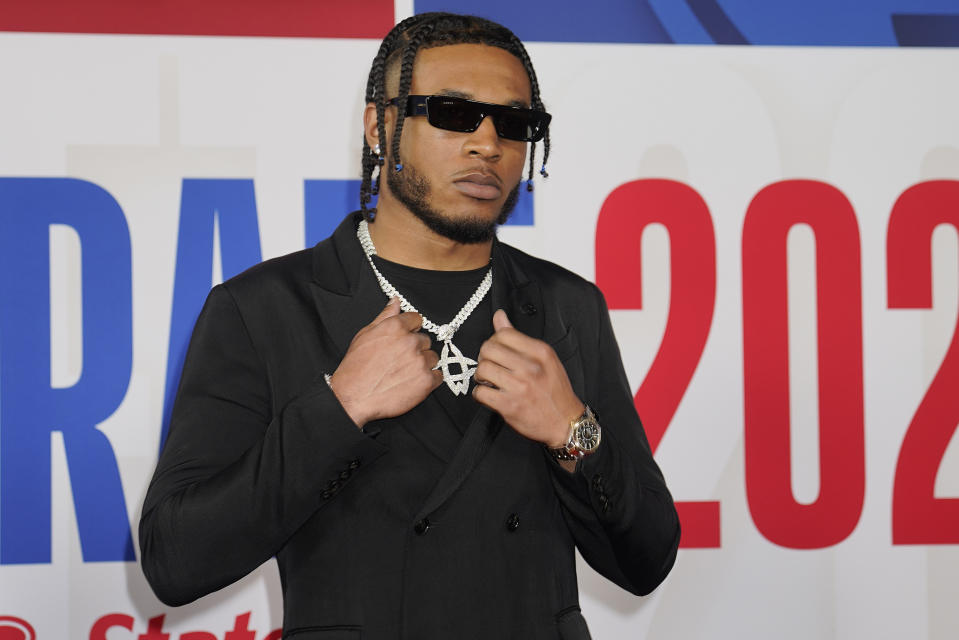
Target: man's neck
point(399, 236)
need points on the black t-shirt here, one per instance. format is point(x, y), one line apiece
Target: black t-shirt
point(438, 296)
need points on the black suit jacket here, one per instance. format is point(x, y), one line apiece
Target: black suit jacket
point(413, 527)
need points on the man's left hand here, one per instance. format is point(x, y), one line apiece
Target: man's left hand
point(522, 379)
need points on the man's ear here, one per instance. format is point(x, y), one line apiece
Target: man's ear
point(370, 129)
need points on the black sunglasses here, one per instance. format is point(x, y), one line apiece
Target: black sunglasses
point(459, 114)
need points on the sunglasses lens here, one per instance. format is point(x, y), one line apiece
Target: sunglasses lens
point(458, 114)
point(453, 114)
point(523, 126)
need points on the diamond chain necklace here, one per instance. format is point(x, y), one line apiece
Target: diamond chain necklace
point(458, 383)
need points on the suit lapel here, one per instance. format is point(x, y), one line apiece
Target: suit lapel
point(477, 439)
point(516, 294)
point(345, 291)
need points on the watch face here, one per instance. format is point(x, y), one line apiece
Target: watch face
point(587, 435)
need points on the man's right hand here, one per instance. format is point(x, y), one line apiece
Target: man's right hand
point(388, 368)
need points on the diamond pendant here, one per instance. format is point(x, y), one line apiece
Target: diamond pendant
point(459, 383)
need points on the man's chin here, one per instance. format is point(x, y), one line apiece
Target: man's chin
point(471, 227)
point(466, 226)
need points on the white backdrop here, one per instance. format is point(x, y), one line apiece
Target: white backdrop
point(136, 115)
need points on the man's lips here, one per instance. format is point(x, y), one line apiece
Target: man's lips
point(482, 186)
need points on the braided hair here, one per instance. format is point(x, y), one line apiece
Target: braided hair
point(399, 47)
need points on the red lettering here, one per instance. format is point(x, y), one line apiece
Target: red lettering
point(241, 629)
point(99, 629)
point(155, 630)
point(834, 514)
point(918, 517)
point(692, 245)
point(13, 628)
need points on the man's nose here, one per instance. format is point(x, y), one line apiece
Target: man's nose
point(484, 141)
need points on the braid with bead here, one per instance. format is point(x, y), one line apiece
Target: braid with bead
point(401, 44)
point(416, 39)
point(537, 103)
point(375, 92)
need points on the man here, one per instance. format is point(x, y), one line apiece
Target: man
point(417, 474)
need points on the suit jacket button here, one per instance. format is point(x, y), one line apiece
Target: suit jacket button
point(345, 475)
point(529, 308)
point(422, 526)
point(512, 522)
point(354, 464)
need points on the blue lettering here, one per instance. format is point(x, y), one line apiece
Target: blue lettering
point(30, 409)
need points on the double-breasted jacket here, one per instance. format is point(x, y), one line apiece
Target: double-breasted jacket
point(413, 527)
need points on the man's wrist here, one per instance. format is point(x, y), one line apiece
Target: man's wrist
point(566, 429)
point(358, 418)
point(583, 439)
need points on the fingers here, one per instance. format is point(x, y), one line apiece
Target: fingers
point(425, 343)
point(492, 374)
point(495, 351)
point(504, 400)
point(506, 333)
point(417, 345)
point(432, 360)
point(486, 396)
point(391, 309)
point(523, 357)
point(410, 321)
point(411, 341)
point(420, 373)
point(392, 313)
point(416, 369)
point(501, 320)
point(437, 374)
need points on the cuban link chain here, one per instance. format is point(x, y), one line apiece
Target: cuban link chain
point(459, 383)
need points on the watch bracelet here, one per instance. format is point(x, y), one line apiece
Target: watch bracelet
point(563, 452)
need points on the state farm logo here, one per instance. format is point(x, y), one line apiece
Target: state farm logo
point(16, 629)
point(241, 630)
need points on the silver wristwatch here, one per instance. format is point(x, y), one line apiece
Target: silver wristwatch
point(584, 436)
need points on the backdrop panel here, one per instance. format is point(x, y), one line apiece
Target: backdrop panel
point(774, 227)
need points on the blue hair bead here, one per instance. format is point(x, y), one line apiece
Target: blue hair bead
point(542, 171)
point(398, 167)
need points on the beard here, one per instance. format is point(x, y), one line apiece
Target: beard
point(413, 191)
